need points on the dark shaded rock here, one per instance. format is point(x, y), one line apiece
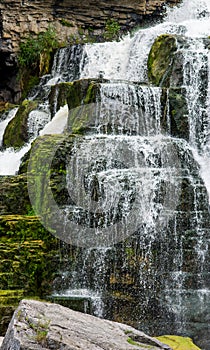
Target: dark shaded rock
point(10, 89)
point(175, 112)
point(38, 325)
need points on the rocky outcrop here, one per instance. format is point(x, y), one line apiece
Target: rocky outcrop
point(160, 59)
point(19, 18)
point(37, 325)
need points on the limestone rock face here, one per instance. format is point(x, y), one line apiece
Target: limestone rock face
point(19, 17)
point(38, 325)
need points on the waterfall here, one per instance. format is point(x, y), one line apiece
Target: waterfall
point(129, 147)
point(139, 209)
point(136, 108)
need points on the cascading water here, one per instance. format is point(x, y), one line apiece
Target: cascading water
point(139, 208)
point(126, 107)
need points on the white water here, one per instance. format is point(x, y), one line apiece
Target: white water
point(39, 123)
point(10, 160)
point(58, 124)
point(129, 108)
point(85, 294)
point(127, 60)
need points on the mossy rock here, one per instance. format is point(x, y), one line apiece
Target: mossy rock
point(14, 195)
point(16, 133)
point(11, 297)
point(28, 254)
point(47, 160)
point(74, 93)
point(9, 300)
point(15, 228)
point(178, 112)
point(81, 96)
point(160, 59)
point(177, 342)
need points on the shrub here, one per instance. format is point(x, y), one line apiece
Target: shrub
point(31, 48)
point(112, 30)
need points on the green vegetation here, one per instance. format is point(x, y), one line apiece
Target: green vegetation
point(66, 23)
point(132, 342)
point(34, 58)
point(112, 30)
point(41, 329)
point(32, 48)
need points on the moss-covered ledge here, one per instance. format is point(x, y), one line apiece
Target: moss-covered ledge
point(80, 95)
point(16, 133)
point(74, 93)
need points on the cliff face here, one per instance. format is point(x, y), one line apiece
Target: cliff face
point(18, 18)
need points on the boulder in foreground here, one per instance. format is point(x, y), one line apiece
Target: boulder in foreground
point(40, 325)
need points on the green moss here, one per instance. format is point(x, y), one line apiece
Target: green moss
point(177, 342)
point(132, 342)
point(11, 297)
point(66, 23)
point(80, 95)
point(14, 195)
point(160, 59)
point(16, 133)
point(28, 255)
point(81, 119)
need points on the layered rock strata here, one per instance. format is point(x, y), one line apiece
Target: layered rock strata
point(19, 18)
